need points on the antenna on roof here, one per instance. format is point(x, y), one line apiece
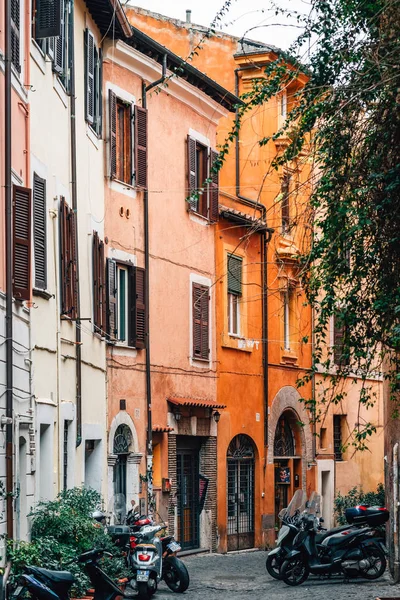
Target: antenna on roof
point(188, 16)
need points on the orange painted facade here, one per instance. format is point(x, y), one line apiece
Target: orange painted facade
point(259, 402)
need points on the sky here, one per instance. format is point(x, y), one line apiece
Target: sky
point(255, 19)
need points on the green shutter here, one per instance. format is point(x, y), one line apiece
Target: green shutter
point(234, 275)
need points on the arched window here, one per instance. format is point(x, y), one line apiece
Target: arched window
point(241, 447)
point(122, 442)
point(122, 439)
point(284, 444)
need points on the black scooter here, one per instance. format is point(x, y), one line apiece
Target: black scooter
point(43, 584)
point(355, 552)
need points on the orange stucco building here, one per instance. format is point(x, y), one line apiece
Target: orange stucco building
point(263, 339)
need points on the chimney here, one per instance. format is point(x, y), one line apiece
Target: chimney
point(188, 16)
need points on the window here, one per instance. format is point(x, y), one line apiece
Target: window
point(21, 240)
point(200, 315)
point(323, 438)
point(203, 196)
point(68, 279)
point(65, 455)
point(93, 83)
point(126, 306)
point(46, 19)
point(99, 285)
point(286, 320)
point(337, 437)
point(234, 266)
point(15, 34)
point(128, 157)
point(339, 333)
point(39, 232)
point(285, 202)
point(283, 105)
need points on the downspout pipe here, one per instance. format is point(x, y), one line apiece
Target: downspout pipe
point(9, 290)
point(265, 239)
point(74, 192)
point(149, 440)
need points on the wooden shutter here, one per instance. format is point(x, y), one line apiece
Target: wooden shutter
point(339, 332)
point(47, 18)
point(213, 189)
point(98, 86)
point(234, 275)
point(111, 299)
point(285, 205)
point(59, 49)
point(139, 324)
point(192, 174)
point(99, 288)
point(39, 232)
point(112, 98)
point(21, 243)
point(200, 310)
point(15, 34)
point(68, 260)
point(90, 65)
point(141, 144)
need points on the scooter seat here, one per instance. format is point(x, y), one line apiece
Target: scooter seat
point(54, 576)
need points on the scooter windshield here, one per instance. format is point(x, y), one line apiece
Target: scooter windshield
point(295, 506)
point(117, 508)
point(314, 504)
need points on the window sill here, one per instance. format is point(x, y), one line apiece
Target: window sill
point(122, 350)
point(200, 363)
point(122, 187)
point(60, 90)
point(42, 293)
point(236, 342)
point(289, 358)
point(92, 135)
point(198, 218)
point(38, 56)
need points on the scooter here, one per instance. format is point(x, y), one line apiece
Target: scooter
point(355, 551)
point(43, 584)
point(291, 521)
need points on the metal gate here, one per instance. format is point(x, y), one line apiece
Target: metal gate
point(240, 471)
point(187, 474)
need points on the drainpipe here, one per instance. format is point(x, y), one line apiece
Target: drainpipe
point(78, 363)
point(265, 239)
point(149, 465)
point(396, 511)
point(9, 291)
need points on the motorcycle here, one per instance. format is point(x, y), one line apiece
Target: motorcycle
point(43, 584)
point(151, 557)
point(291, 521)
point(354, 551)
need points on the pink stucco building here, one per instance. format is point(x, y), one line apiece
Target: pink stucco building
point(149, 172)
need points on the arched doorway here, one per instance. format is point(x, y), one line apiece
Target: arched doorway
point(287, 460)
point(122, 442)
point(240, 485)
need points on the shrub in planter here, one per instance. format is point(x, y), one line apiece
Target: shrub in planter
point(354, 497)
point(61, 530)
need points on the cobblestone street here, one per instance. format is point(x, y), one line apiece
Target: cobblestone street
point(236, 576)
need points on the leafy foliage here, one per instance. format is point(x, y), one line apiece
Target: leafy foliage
point(354, 497)
point(344, 124)
point(61, 530)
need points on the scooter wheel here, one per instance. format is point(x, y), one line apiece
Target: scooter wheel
point(377, 564)
point(176, 575)
point(273, 566)
point(294, 571)
point(143, 591)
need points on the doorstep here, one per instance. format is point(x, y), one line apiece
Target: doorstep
point(194, 551)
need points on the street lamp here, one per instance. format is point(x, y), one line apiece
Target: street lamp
point(217, 416)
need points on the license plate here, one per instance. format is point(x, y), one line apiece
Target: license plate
point(142, 575)
point(18, 591)
point(174, 547)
